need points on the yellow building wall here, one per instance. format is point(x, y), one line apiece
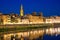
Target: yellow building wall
point(5, 19)
point(35, 19)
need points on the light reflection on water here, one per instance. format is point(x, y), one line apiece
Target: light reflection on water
point(49, 37)
point(50, 34)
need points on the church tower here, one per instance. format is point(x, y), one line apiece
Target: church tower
point(21, 11)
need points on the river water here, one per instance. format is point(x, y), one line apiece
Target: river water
point(50, 34)
point(49, 37)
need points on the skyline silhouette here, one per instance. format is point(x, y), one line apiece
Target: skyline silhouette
point(47, 7)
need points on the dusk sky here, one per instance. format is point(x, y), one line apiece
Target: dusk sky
point(48, 7)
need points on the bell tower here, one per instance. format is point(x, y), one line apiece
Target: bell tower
point(21, 11)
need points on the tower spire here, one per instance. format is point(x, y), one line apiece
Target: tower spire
point(21, 11)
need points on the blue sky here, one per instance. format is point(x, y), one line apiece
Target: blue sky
point(48, 7)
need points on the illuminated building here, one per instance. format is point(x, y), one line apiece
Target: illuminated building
point(57, 19)
point(34, 19)
point(21, 11)
point(48, 20)
point(27, 19)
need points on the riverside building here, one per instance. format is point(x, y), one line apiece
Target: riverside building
point(27, 19)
